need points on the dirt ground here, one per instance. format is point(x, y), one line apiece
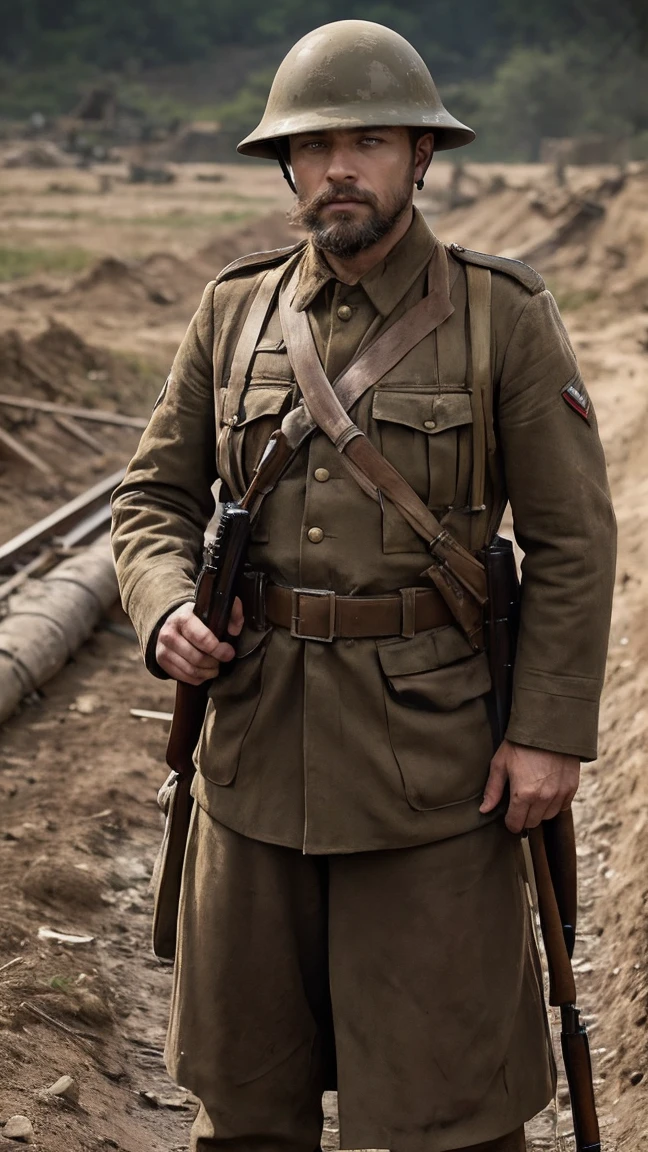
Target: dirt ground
point(78, 773)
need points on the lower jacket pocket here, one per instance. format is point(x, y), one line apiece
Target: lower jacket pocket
point(434, 688)
point(233, 701)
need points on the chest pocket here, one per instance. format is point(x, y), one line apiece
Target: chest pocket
point(241, 442)
point(426, 435)
point(270, 362)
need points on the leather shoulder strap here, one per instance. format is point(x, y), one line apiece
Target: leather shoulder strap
point(371, 365)
point(257, 261)
point(249, 338)
point(457, 574)
point(479, 313)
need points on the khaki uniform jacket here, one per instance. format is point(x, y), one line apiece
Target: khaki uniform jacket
point(370, 744)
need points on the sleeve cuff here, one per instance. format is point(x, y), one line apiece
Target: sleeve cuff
point(555, 723)
point(155, 595)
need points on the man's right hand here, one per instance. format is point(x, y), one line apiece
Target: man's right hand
point(188, 651)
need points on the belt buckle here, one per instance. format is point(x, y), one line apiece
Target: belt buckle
point(295, 618)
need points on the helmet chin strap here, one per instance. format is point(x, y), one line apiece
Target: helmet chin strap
point(287, 174)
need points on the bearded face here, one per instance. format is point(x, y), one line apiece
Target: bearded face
point(347, 230)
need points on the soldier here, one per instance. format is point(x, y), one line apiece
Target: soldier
point(353, 910)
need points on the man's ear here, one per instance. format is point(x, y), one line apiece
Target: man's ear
point(423, 153)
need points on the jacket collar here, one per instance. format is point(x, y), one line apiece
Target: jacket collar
point(388, 281)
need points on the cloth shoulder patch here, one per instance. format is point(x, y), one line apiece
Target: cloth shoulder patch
point(576, 396)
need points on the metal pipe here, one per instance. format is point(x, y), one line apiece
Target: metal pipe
point(50, 619)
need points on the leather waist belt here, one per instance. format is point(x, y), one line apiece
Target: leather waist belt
point(314, 614)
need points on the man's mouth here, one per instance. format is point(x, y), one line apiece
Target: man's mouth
point(343, 203)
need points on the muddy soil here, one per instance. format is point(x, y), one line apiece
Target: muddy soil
point(79, 825)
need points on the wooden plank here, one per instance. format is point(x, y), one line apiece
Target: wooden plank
point(64, 518)
point(92, 414)
point(35, 567)
point(14, 448)
point(150, 714)
point(73, 429)
point(89, 526)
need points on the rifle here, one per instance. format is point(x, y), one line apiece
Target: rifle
point(216, 589)
point(553, 849)
point(501, 628)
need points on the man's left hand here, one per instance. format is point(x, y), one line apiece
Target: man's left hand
point(541, 784)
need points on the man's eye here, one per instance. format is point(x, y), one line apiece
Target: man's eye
point(371, 141)
point(312, 145)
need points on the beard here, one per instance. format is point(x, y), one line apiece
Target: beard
point(345, 237)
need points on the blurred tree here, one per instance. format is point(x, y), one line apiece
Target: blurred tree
point(519, 71)
point(565, 91)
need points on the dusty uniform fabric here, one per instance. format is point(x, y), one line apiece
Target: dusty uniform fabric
point(364, 744)
point(347, 749)
point(419, 1070)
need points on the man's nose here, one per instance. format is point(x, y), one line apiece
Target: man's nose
point(341, 166)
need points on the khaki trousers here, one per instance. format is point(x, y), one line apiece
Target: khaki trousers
point(408, 979)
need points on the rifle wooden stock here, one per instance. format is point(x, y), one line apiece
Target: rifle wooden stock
point(557, 873)
point(578, 1066)
point(553, 849)
point(215, 592)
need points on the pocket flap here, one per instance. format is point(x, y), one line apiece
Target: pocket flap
point(436, 670)
point(424, 652)
point(267, 344)
point(429, 412)
point(263, 400)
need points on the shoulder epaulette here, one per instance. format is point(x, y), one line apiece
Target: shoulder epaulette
point(258, 260)
point(527, 276)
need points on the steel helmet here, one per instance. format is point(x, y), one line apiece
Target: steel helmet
point(352, 74)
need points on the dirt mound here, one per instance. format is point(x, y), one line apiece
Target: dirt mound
point(112, 283)
point(41, 154)
point(58, 365)
point(169, 279)
point(590, 240)
point(116, 286)
point(272, 231)
point(61, 884)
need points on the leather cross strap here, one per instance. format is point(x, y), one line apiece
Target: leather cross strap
point(314, 614)
point(249, 338)
point(479, 313)
point(456, 573)
point(362, 373)
point(230, 397)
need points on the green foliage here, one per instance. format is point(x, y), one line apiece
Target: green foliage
point(17, 262)
point(242, 113)
point(153, 31)
point(61, 983)
point(518, 72)
point(567, 91)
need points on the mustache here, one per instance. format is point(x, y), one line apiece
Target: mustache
point(336, 192)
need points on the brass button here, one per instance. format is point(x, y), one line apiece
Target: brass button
point(322, 474)
point(429, 424)
point(344, 312)
point(315, 535)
